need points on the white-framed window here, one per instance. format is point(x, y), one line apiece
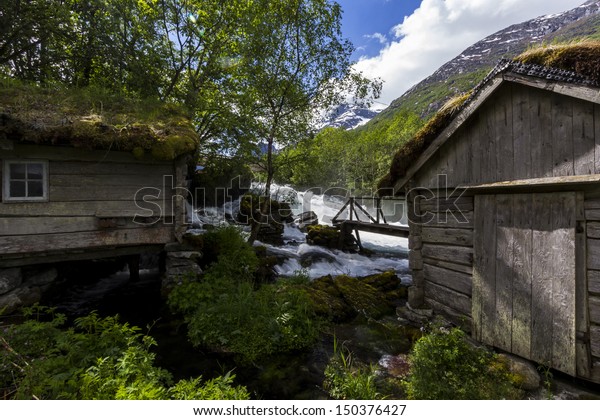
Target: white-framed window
point(25, 180)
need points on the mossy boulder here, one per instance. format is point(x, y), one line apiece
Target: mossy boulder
point(327, 301)
point(363, 297)
point(342, 298)
point(388, 283)
point(329, 237)
point(272, 220)
point(323, 236)
point(251, 206)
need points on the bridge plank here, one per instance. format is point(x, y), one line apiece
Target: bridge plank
point(383, 229)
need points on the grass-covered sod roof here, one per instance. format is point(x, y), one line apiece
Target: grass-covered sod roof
point(94, 119)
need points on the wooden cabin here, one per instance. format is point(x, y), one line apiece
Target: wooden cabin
point(79, 180)
point(504, 201)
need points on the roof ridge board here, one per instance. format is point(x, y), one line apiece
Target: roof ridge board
point(532, 70)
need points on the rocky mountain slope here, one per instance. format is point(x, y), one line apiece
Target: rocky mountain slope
point(464, 71)
point(348, 116)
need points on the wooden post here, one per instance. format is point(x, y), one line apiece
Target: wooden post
point(583, 350)
point(133, 263)
point(179, 209)
point(416, 293)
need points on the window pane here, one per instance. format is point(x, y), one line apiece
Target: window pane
point(17, 189)
point(35, 171)
point(17, 171)
point(35, 189)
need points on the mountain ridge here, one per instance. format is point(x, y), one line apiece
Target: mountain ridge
point(469, 67)
point(464, 71)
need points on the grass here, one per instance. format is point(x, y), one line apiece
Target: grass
point(94, 118)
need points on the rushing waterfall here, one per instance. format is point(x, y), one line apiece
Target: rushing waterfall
point(389, 253)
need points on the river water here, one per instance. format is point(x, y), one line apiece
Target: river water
point(387, 252)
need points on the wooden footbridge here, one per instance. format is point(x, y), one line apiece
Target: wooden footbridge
point(369, 223)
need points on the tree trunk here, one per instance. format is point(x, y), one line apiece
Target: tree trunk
point(265, 208)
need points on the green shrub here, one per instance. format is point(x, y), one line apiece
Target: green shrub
point(444, 366)
point(225, 311)
point(346, 379)
point(99, 358)
point(228, 254)
point(233, 317)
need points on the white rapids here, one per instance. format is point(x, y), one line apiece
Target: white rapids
point(389, 253)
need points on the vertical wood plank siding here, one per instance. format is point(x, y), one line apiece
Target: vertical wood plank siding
point(527, 302)
point(532, 259)
point(520, 133)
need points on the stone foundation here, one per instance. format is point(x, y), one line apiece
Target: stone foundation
point(22, 286)
point(181, 263)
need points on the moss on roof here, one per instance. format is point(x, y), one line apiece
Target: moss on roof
point(582, 58)
point(94, 119)
point(413, 148)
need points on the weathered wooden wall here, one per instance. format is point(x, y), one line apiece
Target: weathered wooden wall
point(528, 292)
point(519, 133)
point(445, 258)
point(91, 203)
point(592, 249)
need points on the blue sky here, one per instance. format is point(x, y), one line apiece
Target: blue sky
point(404, 41)
point(363, 18)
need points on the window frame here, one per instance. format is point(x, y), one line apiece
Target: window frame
point(6, 198)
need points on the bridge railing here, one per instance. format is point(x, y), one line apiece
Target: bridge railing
point(353, 206)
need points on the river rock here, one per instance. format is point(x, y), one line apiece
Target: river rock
point(308, 218)
point(363, 297)
point(10, 279)
point(9, 303)
point(41, 277)
point(185, 255)
point(327, 301)
point(314, 256)
point(527, 376)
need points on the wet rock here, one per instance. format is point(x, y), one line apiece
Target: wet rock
point(363, 297)
point(329, 237)
point(271, 232)
point(9, 303)
point(327, 301)
point(10, 279)
point(308, 218)
point(389, 283)
point(41, 277)
point(314, 256)
point(341, 298)
point(251, 208)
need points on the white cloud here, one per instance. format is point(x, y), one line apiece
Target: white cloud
point(379, 37)
point(439, 30)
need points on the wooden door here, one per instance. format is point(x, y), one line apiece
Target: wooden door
point(524, 276)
